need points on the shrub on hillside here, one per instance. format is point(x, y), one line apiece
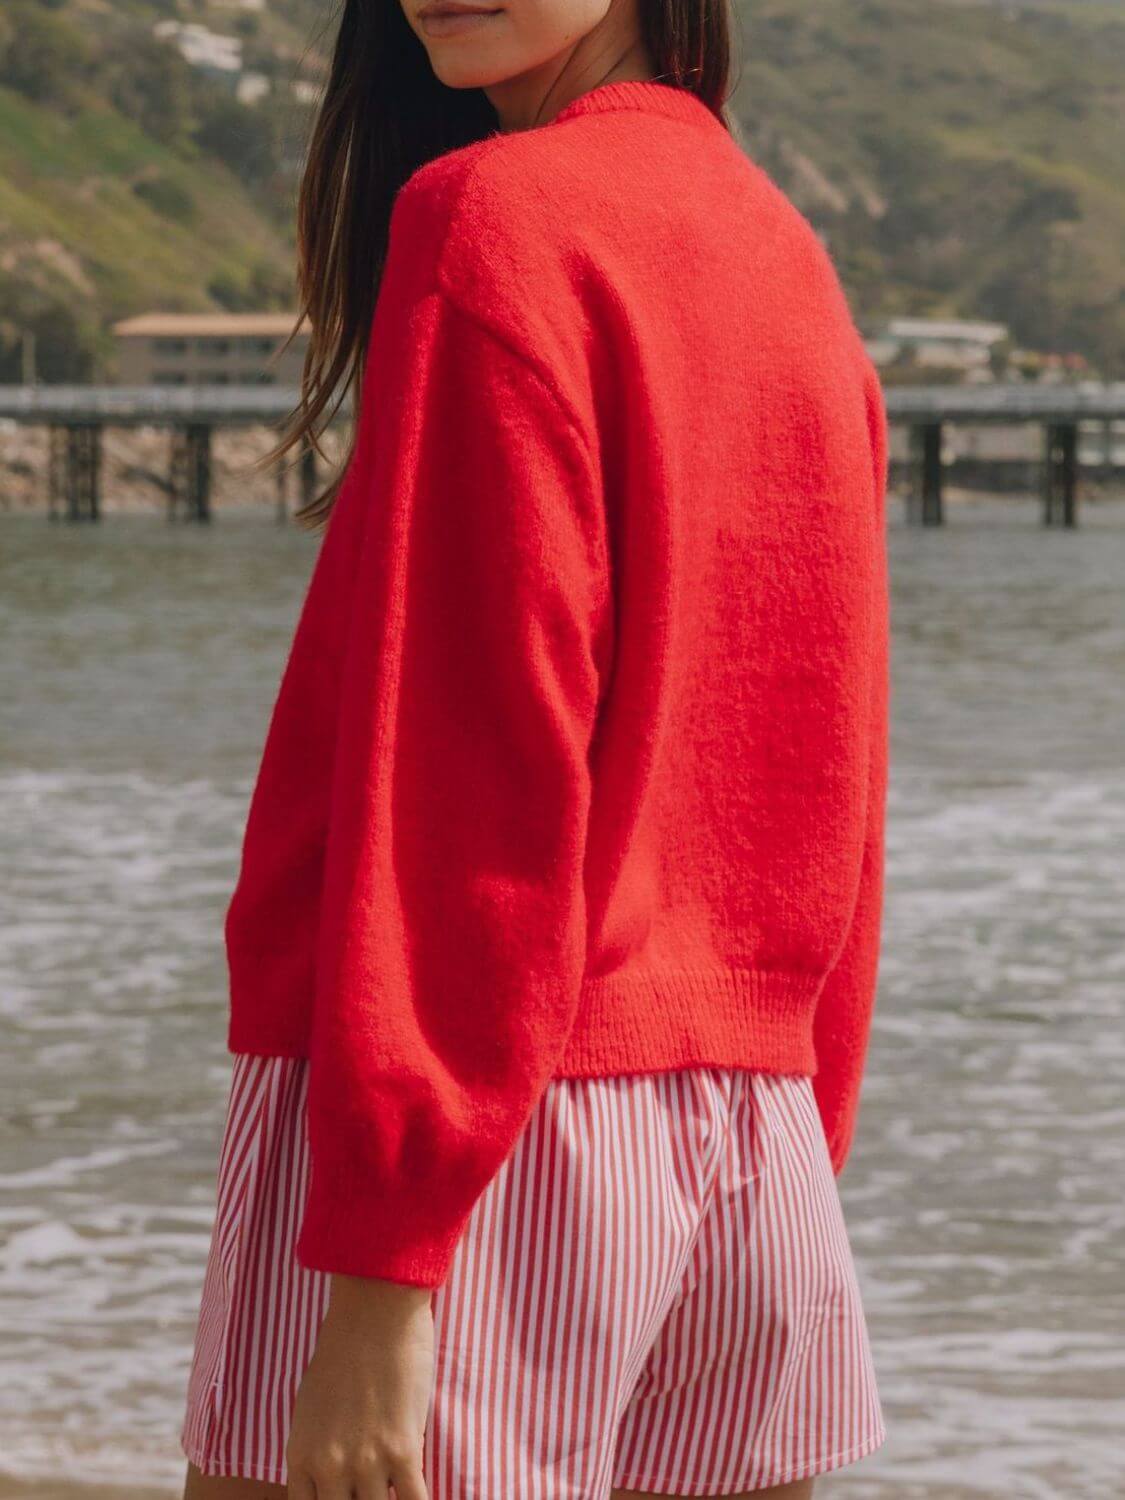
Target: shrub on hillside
point(42, 55)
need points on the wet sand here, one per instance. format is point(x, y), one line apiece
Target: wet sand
point(30, 1489)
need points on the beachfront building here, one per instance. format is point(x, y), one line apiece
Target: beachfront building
point(209, 349)
point(217, 56)
point(937, 343)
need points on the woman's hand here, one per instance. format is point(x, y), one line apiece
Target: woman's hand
point(360, 1416)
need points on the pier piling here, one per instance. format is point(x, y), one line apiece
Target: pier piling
point(1060, 474)
point(74, 470)
point(189, 488)
point(924, 503)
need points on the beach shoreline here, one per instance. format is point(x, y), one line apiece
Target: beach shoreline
point(15, 1488)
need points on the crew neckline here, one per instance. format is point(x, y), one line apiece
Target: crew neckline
point(648, 94)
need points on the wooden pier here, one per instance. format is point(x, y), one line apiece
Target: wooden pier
point(1057, 410)
point(76, 417)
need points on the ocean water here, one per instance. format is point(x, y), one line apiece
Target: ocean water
point(984, 1194)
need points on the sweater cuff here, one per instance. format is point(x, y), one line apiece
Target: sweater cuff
point(839, 1146)
point(353, 1229)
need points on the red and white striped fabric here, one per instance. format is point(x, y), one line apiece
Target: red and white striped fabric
point(656, 1292)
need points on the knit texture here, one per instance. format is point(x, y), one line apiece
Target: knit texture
point(578, 763)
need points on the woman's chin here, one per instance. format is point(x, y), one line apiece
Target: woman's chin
point(466, 62)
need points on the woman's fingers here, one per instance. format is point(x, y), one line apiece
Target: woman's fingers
point(334, 1483)
point(321, 1477)
point(370, 1481)
point(408, 1483)
point(300, 1486)
point(360, 1477)
point(362, 1480)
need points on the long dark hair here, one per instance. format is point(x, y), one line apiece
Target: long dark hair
point(384, 114)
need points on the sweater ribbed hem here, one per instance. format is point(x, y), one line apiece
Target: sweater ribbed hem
point(731, 1018)
point(642, 1022)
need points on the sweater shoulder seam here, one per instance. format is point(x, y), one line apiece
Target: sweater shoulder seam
point(537, 367)
point(503, 336)
point(595, 512)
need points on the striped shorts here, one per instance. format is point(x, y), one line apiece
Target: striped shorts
point(655, 1292)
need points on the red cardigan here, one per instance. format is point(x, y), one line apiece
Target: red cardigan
point(578, 763)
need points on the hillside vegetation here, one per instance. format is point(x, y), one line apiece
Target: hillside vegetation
point(960, 158)
point(130, 181)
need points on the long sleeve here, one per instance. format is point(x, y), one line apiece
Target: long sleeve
point(272, 917)
point(842, 1021)
point(452, 938)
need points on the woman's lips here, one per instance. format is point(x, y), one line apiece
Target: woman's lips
point(452, 21)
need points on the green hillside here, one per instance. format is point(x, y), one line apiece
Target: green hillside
point(960, 158)
point(131, 181)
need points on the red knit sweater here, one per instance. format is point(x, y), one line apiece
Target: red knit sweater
point(578, 762)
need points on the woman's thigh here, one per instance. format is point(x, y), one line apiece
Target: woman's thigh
point(800, 1489)
point(199, 1486)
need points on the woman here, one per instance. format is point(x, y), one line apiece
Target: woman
point(554, 945)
